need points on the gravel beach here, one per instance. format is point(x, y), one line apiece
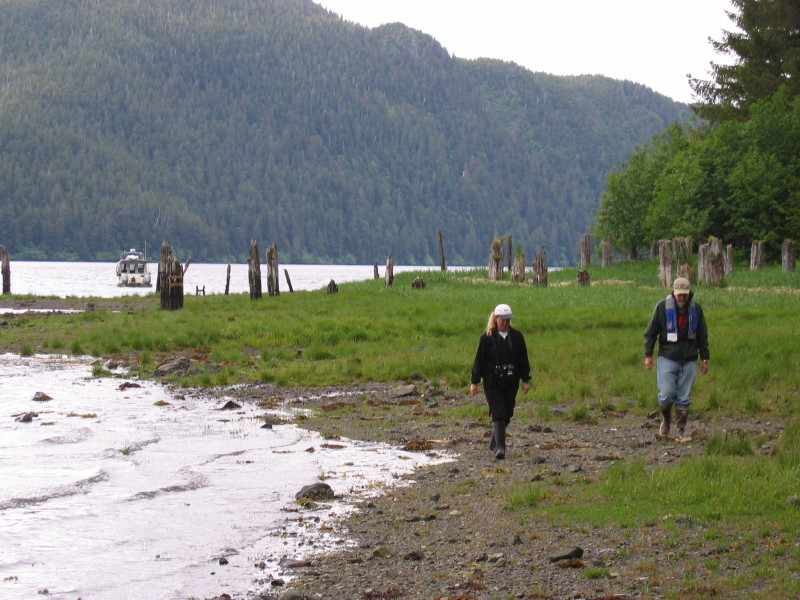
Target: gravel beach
point(450, 534)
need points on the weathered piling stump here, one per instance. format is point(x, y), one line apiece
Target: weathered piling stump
point(389, 277)
point(518, 269)
point(757, 256)
point(272, 270)
point(665, 263)
point(5, 267)
point(254, 271)
point(418, 283)
point(496, 260)
point(441, 249)
point(607, 251)
point(583, 277)
point(787, 256)
point(288, 281)
point(540, 267)
point(586, 252)
point(332, 287)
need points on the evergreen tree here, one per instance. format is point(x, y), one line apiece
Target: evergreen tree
point(765, 48)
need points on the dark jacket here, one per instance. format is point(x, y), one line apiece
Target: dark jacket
point(685, 349)
point(494, 352)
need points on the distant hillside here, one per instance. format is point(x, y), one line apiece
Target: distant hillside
point(209, 124)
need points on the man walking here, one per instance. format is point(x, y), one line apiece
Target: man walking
point(679, 326)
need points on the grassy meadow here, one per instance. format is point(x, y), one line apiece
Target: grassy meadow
point(586, 349)
point(585, 343)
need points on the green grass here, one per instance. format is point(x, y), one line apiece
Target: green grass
point(585, 343)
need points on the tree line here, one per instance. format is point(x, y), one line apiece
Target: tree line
point(734, 172)
point(210, 124)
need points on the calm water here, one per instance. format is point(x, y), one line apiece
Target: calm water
point(105, 495)
point(84, 279)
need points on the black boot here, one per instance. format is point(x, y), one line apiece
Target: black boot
point(499, 434)
point(681, 416)
point(666, 418)
point(492, 442)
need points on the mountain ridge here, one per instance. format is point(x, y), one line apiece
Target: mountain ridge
point(209, 125)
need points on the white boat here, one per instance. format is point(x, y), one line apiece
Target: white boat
point(132, 270)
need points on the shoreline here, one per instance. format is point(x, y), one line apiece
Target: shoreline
point(449, 535)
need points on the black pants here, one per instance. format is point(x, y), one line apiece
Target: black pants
point(501, 398)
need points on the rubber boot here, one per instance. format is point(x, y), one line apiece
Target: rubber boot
point(492, 442)
point(499, 430)
point(681, 416)
point(666, 419)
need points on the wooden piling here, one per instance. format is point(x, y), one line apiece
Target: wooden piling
point(518, 269)
point(254, 271)
point(665, 263)
point(5, 268)
point(683, 249)
point(288, 281)
point(787, 256)
point(583, 277)
point(540, 267)
point(441, 249)
point(389, 277)
point(272, 270)
point(228, 280)
point(586, 253)
point(496, 260)
point(607, 251)
point(757, 257)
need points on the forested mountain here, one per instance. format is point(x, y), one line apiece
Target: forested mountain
point(210, 123)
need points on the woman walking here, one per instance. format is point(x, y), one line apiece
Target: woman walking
point(502, 363)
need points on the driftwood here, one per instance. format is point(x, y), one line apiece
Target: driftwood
point(665, 263)
point(441, 249)
point(540, 267)
point(757, 257)
point(787, 255)
point(389, 277)
point(418, 283)
point(272, 270)
point(496, 260)
point(254, 271)
point(607, 251)
point(586, 255)
point(288, 281)
point(228, 280)
point(518, 269)
point(332, 287)
point(583, 277)
point(5, 268)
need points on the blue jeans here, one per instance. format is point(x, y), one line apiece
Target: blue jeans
point(675, 382)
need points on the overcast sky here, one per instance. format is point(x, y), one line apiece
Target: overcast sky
point(652, 42)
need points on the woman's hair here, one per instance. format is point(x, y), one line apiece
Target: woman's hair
point(492, 324)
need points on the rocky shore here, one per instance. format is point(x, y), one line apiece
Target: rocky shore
point(449, 533)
